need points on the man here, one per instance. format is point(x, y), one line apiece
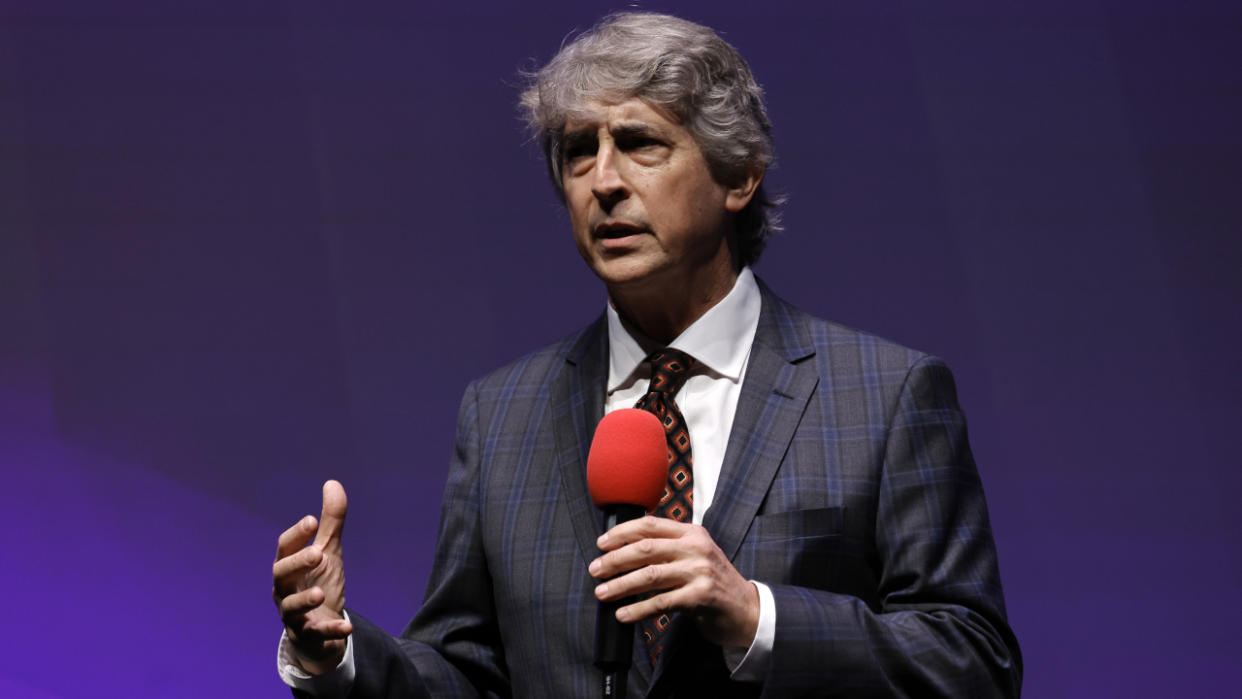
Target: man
point(825, 531)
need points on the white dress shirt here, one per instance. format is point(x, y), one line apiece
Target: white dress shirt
point(720, 341)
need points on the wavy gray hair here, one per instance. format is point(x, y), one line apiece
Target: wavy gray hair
point(682, 67)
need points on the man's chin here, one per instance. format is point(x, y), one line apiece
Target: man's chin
point(626, 274)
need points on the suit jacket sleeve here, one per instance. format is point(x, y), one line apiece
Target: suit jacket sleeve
point(936, 626)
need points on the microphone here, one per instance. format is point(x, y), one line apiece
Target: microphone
point(627, 469)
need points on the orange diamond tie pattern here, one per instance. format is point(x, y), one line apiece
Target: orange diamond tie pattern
point(669, 370)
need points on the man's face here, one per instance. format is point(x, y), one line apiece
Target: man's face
point(644, 208)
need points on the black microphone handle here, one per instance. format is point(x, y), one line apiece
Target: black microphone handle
point(614, 641)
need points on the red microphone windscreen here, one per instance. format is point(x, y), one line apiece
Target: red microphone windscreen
point(628, 461)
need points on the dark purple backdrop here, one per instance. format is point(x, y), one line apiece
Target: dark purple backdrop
point(248, 246)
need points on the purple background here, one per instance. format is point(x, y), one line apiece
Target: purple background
point(248, 246)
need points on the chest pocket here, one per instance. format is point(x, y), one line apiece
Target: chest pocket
point(798, 547)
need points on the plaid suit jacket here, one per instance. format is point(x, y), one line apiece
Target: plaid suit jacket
point(848, 487)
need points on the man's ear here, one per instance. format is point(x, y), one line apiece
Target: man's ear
point(739, 195)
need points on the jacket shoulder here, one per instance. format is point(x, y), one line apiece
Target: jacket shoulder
point(835, 346)
point(865, 367)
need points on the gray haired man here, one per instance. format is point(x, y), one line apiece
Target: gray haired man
point(835, 540)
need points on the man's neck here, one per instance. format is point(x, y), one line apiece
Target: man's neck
point(662, 312)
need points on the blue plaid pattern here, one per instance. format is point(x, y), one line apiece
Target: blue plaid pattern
point(848, 487)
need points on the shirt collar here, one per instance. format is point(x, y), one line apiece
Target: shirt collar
point(720, 339)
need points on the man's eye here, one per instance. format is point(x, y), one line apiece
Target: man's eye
point(641, 143)
point(576, 152)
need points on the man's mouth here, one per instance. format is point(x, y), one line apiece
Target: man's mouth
point(613, 231)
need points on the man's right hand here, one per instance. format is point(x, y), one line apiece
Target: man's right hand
point(308, 584)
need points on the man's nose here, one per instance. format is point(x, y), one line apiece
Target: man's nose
point(608, 186)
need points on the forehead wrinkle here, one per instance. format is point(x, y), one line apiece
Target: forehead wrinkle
point(582, 118)
point(578, 133)
point(592, 113)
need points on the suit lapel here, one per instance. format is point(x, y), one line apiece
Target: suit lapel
point(778, 384)
point(577, 407)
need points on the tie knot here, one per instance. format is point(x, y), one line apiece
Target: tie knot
point(669, 370)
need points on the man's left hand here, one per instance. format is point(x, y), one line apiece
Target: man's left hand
point(685, 570)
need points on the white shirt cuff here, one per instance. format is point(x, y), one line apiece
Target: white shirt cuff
point(330, 685)
point(751, 664)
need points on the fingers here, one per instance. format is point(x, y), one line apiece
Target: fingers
point(725, 606)
point(332, 519)
point(643, 552)
point(296, 611)
point(647, 527)
point(295, 606)
point(669, 557)
point(329, 629)
point(683, 569)
point(727, 618)
point(294, 559)
point(652, 606)
point(648, 564)
point(288, 571)
point(650, 540)
point(308, 583)
point(295, 537)
point(649, 578)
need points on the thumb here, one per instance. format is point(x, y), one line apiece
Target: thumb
point(332, 519)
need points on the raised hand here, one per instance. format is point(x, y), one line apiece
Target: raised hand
point(308, 584)
point(685, 569)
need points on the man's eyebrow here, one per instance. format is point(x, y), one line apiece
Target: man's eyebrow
point(578, 133)
point(634, 129)
point(574, 138)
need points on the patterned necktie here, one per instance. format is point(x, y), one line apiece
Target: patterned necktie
point(669, 370)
